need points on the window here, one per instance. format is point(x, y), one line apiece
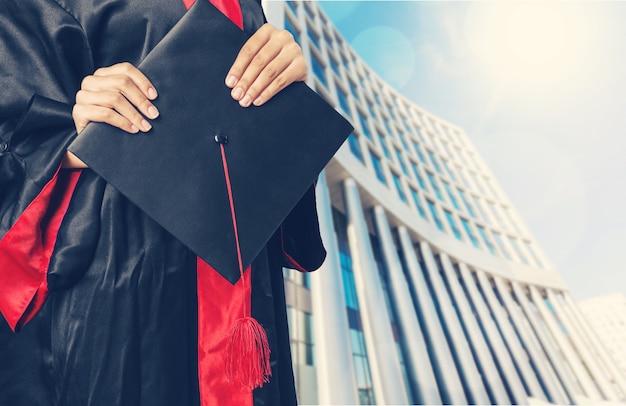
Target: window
point(329, 38)
point(371, 109)
point(435, 186)
point(466, 203)
point(501, 245)
point(482, 211)
point(343, 101)
point(418, 151)
point(530, 249)
point(463, 178)
point(477, 183)
point(289, 27)
point(460, 154)
point(453, 226)
point(518, 250)
point(387, 126)
point(496, 214)
point(355, 92)
point(313, 36)
point(355, 147)
point(470, 233)
point(483, 234)
point(383, 146)
point(403, 140)
point(449, 170)
point(334, 65)
point(455, 203)
point(431, 155)
point(512, 221)
point(401, 162)
point(419, 178)
point(447, 149)
point(398, 183)
point(420, 134)
point(433, 212)
point(364, 126)
point(318, 69)
point(293, 6)
point(378, 168)
point(491, 188)
point(418, 203)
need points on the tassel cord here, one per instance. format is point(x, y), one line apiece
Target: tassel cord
point(235, 228)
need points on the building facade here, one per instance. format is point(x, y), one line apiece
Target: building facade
point(434, 290)
point(607, 317)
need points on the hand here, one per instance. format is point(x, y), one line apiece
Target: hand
point(119, 95)
point(268, 62)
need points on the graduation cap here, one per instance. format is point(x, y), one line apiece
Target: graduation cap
point(219, 177)
point(176, 172)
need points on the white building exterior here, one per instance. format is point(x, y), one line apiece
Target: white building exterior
point(434, 290)
point(607, 317)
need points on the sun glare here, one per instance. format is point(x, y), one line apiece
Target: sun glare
point(526, 43)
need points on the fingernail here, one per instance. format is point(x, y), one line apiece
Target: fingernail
point(134, 129)
point(145, 125)
point(153, 112)
point(245, 102)
point(230, 81)
point(237, 93)
point(152, 94)
point(258, 101)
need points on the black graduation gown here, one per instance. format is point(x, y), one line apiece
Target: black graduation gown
point(104, 300)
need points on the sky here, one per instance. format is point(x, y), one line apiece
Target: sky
point(540, 89)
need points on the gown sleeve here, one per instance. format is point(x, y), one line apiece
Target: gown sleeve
point(302, 245)
point(45, 55)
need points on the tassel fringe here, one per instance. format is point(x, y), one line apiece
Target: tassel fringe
point(248, 354)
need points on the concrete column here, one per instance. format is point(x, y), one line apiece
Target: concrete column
point(482, 354)
point(498, 347)
point(575, 363)
point(556, 360)
point(592, 366)
point(336, 381)
point(416, 358)
point(450, 386)
point(552, 388)
point(615, 372)
point(387, 376)
point(474, 387)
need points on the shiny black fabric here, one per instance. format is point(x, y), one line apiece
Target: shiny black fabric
point(119, 326)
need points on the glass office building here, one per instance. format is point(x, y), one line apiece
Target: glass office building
point(434, 290)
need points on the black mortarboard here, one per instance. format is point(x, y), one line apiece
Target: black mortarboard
point(175, 172)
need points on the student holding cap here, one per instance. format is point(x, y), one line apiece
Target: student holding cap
point(144, 266)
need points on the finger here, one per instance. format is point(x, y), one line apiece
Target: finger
point(248, 51)
point(116, 101)
point(137, 76)
point(273, 72)
point(263, 68)
point(83, 114)
point(292, 73)
point(123, 85)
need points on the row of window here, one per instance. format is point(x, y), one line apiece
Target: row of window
point(433, 126)
point(522, 255)
point(498, 213)
point(428, 157)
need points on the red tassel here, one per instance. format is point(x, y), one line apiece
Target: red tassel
point(248, 354)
